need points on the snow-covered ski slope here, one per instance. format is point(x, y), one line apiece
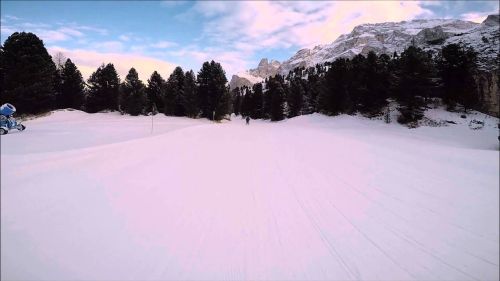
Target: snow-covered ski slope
point(311, 198)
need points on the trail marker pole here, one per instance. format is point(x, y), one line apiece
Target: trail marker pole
point(153, 111)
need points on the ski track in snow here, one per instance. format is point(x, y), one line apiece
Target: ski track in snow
point(309, 198)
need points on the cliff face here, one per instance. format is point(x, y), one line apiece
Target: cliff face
point(390, 37)
point(489, 94)
point(238, 82)
point(265, 69)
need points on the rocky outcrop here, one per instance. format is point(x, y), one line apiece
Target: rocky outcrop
point(238, 82)
point(488, 91)
point(433, 36)
point(492, 20)
point(265, 69)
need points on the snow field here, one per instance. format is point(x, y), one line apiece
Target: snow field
point(310, 198)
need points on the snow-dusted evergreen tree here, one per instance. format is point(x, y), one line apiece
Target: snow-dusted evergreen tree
point(155, 91)
point(103, 89)
point(133, 94)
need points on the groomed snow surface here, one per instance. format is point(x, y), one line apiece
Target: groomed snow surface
point(98, 196)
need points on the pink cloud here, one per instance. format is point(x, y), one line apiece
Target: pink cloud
point(88, 61)
point(243, 28)
point(475, 17)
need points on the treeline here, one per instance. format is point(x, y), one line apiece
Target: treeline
point(34, 84)
point(364, 84)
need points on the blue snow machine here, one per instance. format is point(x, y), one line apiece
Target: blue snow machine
point(7, 121)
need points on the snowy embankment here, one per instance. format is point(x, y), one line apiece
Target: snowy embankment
point(314, 197)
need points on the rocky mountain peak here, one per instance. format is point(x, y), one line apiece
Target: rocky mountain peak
point(263, 63)
point(265, 69)
point(492, 20)
point(390, 37)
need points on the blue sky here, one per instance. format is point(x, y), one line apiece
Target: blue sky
point(160, 35)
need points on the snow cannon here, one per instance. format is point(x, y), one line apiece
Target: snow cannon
point(7, 109)
point(7, 121)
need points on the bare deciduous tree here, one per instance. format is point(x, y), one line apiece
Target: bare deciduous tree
point(59, 60)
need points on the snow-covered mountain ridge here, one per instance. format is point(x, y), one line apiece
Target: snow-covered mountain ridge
point(390, 37)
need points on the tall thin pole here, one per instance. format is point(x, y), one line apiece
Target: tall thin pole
point(153, 111)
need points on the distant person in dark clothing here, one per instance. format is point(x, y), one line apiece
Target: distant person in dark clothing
point(248, 120)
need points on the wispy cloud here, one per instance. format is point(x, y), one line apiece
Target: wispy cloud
point(50, 33)
point(125, 38)
point(11, 17)
point(475, 16)
point(238, 30)
point(108, 46)
point(163, 44)
point(98, 30)
point(88, 61)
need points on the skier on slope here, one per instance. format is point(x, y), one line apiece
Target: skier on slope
point(248, 120)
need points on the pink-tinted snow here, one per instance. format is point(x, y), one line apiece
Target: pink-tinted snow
point(310, 198)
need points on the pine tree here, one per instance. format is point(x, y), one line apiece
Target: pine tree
point(214, 95)
point(28, 71)
point(457, 66)
point(72, 88)
point(133, 94)
point(174, 88)
point(414, 81)
point(257, 101)
point(375, 83)
point(295, 98)
point(334, 90)
point(174, 95)
point(58, 84)
point(357, 88)
point(156, 91)
point(223, 104)
point(276, 98)
point(312, 89)
point(266, 107)
point(236, 101)
point(247, 102)
point(190, 100)
point(103, 92)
